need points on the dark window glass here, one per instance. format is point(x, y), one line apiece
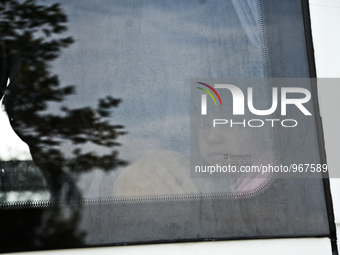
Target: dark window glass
point(99, 94)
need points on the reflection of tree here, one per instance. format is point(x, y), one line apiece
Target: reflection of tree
point(30, 33)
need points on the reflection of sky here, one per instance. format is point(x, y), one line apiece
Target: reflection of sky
point(145, 52)
point(11, 146)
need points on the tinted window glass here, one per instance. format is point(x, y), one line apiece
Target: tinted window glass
point(99, 94)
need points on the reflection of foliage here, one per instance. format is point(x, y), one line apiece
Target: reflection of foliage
point(31, 36)
point(21, 176)
point(30, 33)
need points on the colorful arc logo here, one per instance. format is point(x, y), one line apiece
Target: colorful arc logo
point(208, 92)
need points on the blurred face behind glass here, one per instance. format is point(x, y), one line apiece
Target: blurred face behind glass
point(225, 144)
point(217, 144)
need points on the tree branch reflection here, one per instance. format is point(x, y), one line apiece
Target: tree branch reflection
point(32, 36)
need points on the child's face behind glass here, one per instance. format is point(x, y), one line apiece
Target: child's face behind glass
point(221, 143)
